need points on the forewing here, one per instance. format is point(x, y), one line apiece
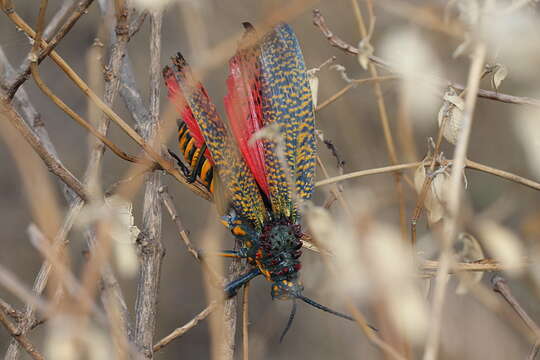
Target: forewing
point(287, 101)
point(237, 178)
point(177, 97)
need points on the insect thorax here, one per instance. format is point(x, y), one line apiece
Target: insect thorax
point(275, 250)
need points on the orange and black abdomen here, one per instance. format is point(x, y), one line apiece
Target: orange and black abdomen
point(203, 169)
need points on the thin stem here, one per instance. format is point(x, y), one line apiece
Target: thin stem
point(52, 163)
point(501, 287)
point(352, 84)
point(169, 205)
point(356, 174)
point(76, 117)
point(164, 164)
point(383, 113)
point(151, 249)
point(23, 73)
point(178, 332)
point(245, 322)
point(503, 174)
point(450, 226)
point(335, 41)
point(21, 339)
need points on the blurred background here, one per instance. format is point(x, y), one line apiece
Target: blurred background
point(504, 136)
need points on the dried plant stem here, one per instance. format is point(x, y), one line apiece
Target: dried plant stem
point(503, 174)
point(361, 173)
point(151, 250)
point(534, 351)
point(79, 10)
point(351, 85)
point(335, 191)
point(484, 265)
point(178, 332)
point(245, 322)
point(501, 287)
point(10, 310)
point(335, 41)
point(50, 160)
point(116, 58)
point(215, 278)
point(21, 339)
point(454, 200)
point(41, 84)
point(383, 114)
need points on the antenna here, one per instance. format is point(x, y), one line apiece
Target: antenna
point(323, 308)
point(327, 309)
point(289, 323)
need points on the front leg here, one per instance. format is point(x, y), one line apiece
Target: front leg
point(232, 288)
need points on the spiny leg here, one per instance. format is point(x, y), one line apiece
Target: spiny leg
point(232, 287)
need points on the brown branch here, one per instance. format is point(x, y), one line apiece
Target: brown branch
point(110, 92)
point(176, 333)
point(335, 41)
point(351, 85)
point(486, 265)
point(21, 339)
point(383, 114)
point(355, 174)
point(10, 310)
point(151, 251)
point(501, 287)
point(503, 174)
point(534, 351)
point(79, 10)
point(450, 226)
point(50, 160)
point(167, 200)
point(245, 322)
point(112, 146)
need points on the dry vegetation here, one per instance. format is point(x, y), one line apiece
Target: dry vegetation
point(436, 248)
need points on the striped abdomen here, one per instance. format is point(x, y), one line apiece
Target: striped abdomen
point(203, 168)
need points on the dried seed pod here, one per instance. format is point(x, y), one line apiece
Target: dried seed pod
point(470, 251)
point(434, 202)
point(451, 115)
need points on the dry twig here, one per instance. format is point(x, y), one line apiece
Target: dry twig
point(176, 333)
point(21, 339)
point(319, 22)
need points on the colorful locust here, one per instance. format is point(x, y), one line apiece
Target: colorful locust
point(267, 85)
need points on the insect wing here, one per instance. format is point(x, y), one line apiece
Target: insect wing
point(287, 101)
point(177, 97)
point(233, 171)
point(243, 104)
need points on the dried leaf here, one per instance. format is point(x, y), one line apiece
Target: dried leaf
point(365, 50)
point(470, 251)
point(499, 75)
point(434, 201)
point(451, 115)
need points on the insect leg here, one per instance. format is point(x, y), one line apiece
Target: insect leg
point(224, 253)
point(182, 166)
point(232, 287)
